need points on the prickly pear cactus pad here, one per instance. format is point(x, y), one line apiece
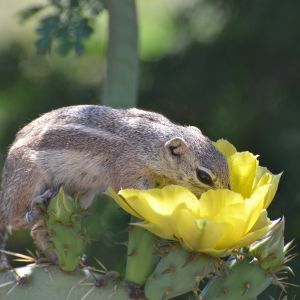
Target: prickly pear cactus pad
point(49, 283)
point(66, 233)
point(179, 272)
point(242, 280)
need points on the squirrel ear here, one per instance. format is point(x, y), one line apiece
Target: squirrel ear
point(177, 146)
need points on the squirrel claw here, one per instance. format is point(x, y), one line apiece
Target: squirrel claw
point(32, 215)
point(46, 197)
point(43, 199)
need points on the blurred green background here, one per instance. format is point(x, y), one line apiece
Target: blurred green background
point(231, 68)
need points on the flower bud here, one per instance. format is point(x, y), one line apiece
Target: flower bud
point(270, 250)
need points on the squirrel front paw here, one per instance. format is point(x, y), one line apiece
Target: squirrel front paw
point(45, 198)
point(35, 212)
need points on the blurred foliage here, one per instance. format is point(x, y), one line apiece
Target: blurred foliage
point(68, 24)
point(229, 67)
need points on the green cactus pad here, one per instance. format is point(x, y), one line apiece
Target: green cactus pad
point(244, 279)
point(48, 283)
point(177, 273)
point(140, 255)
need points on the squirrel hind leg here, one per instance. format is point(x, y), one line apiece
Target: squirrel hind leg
point(40, 237)
point(39, 232)
point(30, 192)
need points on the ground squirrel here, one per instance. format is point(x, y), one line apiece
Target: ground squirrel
point(88, 147)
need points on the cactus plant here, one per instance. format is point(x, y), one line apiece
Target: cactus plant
point(174, 270)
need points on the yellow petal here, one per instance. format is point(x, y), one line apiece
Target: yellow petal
point(242, 170)
point(161, 201)
point(122, 202)
point(161, 231)
point(273, 189)
point(213, 202)
point(150, 207)
point(253, 236)
point(226, 207)
point(260, 172)
point(226, 148)
point(210, 234)
point(262, 221)
point(187, 230)
point(255, 204)
point(264, 177)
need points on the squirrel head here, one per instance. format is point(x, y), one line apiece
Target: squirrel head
point(194, 162)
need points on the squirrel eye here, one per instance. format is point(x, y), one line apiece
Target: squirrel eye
point(204, 177)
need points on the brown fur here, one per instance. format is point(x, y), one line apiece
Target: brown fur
point(86, 148)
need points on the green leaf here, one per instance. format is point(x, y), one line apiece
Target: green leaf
point(48, 25)
point(83, 29)
point(68, 28)
point(64, 38)
point(46, 30)
point(27, 13)
point(43, 45)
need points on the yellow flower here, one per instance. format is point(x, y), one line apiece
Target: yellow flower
point(220, 220)
point(246, 175)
